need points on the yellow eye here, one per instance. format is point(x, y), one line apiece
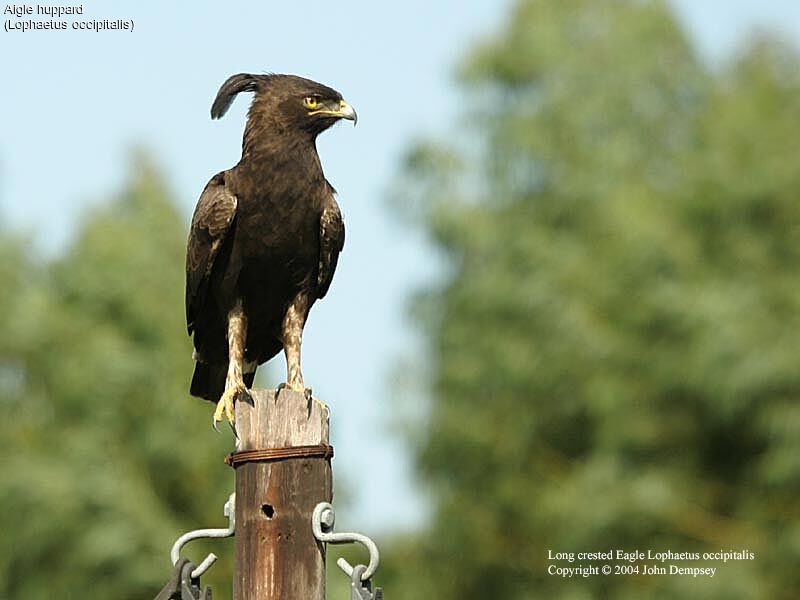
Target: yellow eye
point(310, 102)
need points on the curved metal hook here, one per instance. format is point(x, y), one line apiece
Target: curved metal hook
point(175, 553)
point(322, 521)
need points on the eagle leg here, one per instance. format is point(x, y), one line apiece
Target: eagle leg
point(292, 333)
point(234, 381)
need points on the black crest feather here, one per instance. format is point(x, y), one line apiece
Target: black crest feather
point(235, 84)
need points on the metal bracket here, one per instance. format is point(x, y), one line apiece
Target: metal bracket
point(322, 520)
point(190, 586)
point(182, 586)
point(230, 512)
point(362, 589)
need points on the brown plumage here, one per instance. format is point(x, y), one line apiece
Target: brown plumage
point(265, 238)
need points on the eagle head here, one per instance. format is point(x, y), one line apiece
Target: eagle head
point(286, 102)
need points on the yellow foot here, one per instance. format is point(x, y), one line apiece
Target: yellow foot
point(295, 387)
point(226, 404)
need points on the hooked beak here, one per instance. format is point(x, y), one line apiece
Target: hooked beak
point(347, 112)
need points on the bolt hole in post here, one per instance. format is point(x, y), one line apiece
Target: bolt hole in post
point(268, 510)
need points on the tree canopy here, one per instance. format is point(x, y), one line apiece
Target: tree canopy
point(105, 462)
point(614, 351)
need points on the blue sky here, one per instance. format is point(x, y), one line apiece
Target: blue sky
point(73, 103)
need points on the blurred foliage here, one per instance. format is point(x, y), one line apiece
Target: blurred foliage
point(615, 352)
point(107, 459)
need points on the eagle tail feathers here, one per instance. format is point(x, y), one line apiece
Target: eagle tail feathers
point(208, 380)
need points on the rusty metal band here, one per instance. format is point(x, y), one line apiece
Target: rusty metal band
point(275, 454)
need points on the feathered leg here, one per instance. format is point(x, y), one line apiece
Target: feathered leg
point(292, 333)
point(234, 381)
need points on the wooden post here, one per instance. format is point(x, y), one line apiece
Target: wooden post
point(277, 556)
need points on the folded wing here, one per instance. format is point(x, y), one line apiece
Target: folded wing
point(212, 221)
point(331, 237)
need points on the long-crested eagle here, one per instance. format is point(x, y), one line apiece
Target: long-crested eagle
point(265, 238)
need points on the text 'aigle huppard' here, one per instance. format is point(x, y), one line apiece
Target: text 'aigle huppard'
point(23, 10)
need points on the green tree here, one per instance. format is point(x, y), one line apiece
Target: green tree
point(614, 351)
point(107, 459)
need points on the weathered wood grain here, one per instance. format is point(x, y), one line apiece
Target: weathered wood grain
point(277, 556)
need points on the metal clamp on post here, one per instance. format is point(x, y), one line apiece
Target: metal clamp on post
point(182, 586)
point(322, 521)
point(230, 512)
point(359, 589)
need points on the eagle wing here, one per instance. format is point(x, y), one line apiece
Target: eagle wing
point(211, 222)
point(331, 242)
